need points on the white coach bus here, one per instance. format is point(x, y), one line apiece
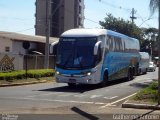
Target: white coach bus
point(95, 56)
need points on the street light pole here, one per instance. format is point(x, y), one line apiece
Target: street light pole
point(159, 54)
point(150, 44)
point(48, 23)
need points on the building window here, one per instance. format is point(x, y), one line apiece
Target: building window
point(79, 21)
point(80, 9)
point(7, 49)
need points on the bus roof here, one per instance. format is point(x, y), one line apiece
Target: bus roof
point(84, 32)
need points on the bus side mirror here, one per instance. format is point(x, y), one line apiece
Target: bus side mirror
point(53, 48)
point(96, 47)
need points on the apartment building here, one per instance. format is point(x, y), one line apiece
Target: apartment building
point(65, 15)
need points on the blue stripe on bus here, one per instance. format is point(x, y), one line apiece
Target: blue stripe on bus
point(116, 61)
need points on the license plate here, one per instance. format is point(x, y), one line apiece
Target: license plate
point(72, 80)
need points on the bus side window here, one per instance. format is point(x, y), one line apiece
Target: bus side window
point(99, 55)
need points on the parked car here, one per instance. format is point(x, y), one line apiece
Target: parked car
point(143, 63)
point(152, 66)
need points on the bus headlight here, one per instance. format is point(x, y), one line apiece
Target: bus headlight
point(89, 74)
point(57, 73)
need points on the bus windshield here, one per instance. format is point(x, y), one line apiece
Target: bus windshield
point(76, 53)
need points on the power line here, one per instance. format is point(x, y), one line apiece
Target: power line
point(71, 12)
point(25, 30)
point(15, 18)
point(144, 21)
point(128, 10)
point(20, 30)
point(115, 6)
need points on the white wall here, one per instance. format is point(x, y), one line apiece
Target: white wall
point(5, 42)
point(9, 62)
point(18, 47)
point(14, 59)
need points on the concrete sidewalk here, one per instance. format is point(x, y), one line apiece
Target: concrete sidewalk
point(140, 105)
point(24, 83)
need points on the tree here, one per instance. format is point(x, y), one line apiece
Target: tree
point(121, 26)
point(150, 38)
point(155, 5)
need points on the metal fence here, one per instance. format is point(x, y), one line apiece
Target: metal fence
point(37, 61)
point(10, 62)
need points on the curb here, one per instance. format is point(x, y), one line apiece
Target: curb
point(140, 106)
point(24, 83)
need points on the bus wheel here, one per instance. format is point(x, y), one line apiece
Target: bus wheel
point(139, 72)
point(130, 75)
point(145, 71)
point(71, 85)
point(105, 81)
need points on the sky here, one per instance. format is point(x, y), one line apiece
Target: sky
point(18, 15)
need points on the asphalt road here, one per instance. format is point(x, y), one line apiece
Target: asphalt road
point(58, 98)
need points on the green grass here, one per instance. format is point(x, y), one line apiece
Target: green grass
point(149, 94)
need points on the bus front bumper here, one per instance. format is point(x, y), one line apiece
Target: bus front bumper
point(89, 79)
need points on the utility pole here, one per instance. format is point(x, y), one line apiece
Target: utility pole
point(159, 54)
point(133, 17)
point(150, 46)
point(48, 25)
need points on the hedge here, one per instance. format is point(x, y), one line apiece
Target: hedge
point(21, 74)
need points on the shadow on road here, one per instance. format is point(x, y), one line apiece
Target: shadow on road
point(84, 114)
point(141, 85)
point(82, 88)
point(76, 89)
point(148, 115)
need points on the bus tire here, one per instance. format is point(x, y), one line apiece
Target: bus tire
point(145, 71)
point(105, 80)
point(71, 85)
point(130, 74)
point(140, 72)
point(137, 69)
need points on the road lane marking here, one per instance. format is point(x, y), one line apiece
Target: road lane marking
point(95, 96)
point(99, 103)
point(79, 96)
point(45, 94)
point(109, 104)
point(62, 101)
point(110, 98)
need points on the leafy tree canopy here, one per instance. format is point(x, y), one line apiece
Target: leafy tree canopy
point(150, 41)
point(122, 26)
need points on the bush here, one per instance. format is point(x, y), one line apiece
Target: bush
point(154, 86)
point(148, 94)
point(21, 74)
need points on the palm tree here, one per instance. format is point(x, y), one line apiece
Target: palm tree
point(155, 5)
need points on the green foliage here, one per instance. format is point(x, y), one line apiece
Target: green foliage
point(150, 41)
point(121, 26)
point(21, 74)
point(153, 5)
point(148, 94)
point(153, 86)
